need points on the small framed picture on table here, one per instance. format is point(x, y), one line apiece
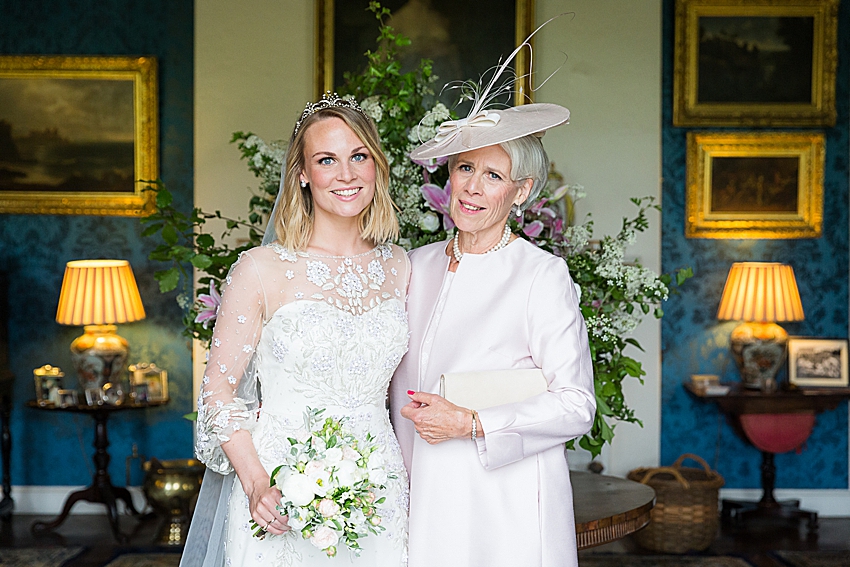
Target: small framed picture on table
point(817, 362)
point(148, 382)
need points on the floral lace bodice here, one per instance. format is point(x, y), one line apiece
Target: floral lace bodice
point(324, 332)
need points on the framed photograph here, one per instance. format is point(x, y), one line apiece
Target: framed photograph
point(439, 30)
point(78, 135)
point(153, 379)
point(94, 396)
point(139, 393)
point(817, 362)
point(754, 185)
point(755, 63)
point(67, 398)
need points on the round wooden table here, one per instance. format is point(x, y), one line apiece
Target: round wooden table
point(608, 508)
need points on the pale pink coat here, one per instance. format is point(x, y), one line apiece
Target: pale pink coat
point(507, 500)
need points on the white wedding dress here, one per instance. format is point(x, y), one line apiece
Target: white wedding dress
point(312, 331)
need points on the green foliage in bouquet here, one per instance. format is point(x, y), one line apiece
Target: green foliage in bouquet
point(615, 295)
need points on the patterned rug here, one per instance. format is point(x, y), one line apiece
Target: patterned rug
point(145, 560)
point(619, 560)
point(814, 558)
point(38, 556)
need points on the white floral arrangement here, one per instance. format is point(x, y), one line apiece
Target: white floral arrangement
point(330, 484)
point(616, 294)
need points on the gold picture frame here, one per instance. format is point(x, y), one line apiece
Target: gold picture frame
point(78, 134)
point(325, 41)
point(755, 63)
point(754, 185)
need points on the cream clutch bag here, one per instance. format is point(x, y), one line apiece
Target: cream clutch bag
point(479, 390)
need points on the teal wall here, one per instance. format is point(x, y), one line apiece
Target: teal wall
point(56, 448)
point(693, 341)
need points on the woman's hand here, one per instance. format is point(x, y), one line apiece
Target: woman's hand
point(436, 419)
point(263, 501)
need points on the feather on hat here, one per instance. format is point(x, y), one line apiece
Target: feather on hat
point(482, 127)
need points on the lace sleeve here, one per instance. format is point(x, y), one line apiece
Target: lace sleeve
point(228, 400)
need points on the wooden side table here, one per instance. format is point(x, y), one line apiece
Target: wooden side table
point(608, 508)
point(101, 490)
point(740, 402)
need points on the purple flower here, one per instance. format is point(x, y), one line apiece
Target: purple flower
point(533, 230)
point(430, 164)
point(209, 306)
point(536, 207)
point(438, 199)
point(559, 226)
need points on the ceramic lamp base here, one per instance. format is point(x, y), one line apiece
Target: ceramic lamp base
point(99, 356)
point(759, 351)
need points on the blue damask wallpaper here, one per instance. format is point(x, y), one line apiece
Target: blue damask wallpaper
point(56, 448)
point(693, 341)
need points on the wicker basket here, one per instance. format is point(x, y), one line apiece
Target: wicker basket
point(685, 516)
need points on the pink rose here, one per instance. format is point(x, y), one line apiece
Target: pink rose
point(328, 508)
point(324, 537)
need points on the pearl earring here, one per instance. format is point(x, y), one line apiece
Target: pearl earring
point(518, 211)
point(303, 184)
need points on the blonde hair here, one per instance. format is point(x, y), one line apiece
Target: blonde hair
point(294, 219)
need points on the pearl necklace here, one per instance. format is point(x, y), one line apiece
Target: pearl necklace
point(506, 237)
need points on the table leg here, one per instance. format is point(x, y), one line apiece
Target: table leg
point(101, 490)
point(7, 504)
point(768, 506)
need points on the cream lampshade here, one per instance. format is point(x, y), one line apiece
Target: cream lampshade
point(98, 294)
point(760, 294)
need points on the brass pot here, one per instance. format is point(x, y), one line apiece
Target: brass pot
point(172, 488)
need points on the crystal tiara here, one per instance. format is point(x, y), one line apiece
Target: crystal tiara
point(328, 100)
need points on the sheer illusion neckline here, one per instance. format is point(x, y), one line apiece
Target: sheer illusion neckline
point(306, 254)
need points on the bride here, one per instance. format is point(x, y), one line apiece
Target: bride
point(315, 318)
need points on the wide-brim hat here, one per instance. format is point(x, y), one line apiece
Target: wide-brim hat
point(490, 127)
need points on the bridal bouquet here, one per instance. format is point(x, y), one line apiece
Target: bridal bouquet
point(329, 484)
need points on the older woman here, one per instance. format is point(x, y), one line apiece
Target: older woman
point(492, 487)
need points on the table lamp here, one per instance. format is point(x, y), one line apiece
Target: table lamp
point(760, 294)
point(98, 294)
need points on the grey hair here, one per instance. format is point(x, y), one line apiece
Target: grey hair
point(528, 161)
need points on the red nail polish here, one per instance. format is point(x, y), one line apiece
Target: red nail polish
point(411, 392)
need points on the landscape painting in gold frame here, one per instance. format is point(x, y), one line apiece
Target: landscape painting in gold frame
point(755, 63)
point(78, 134)
point(439, 30)
point(754, 185)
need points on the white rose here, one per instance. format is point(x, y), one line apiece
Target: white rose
point(313, 468)
point(324, 537)
point(378, 476)
point(350, 454)
point(296, 520)
point(319, 444)
point(357, 517)
point(429, 222)
point(376, 460)
point(333, 455)
point(298, 489)
point(302, 435)
point(328, 508)
point(347, 473)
